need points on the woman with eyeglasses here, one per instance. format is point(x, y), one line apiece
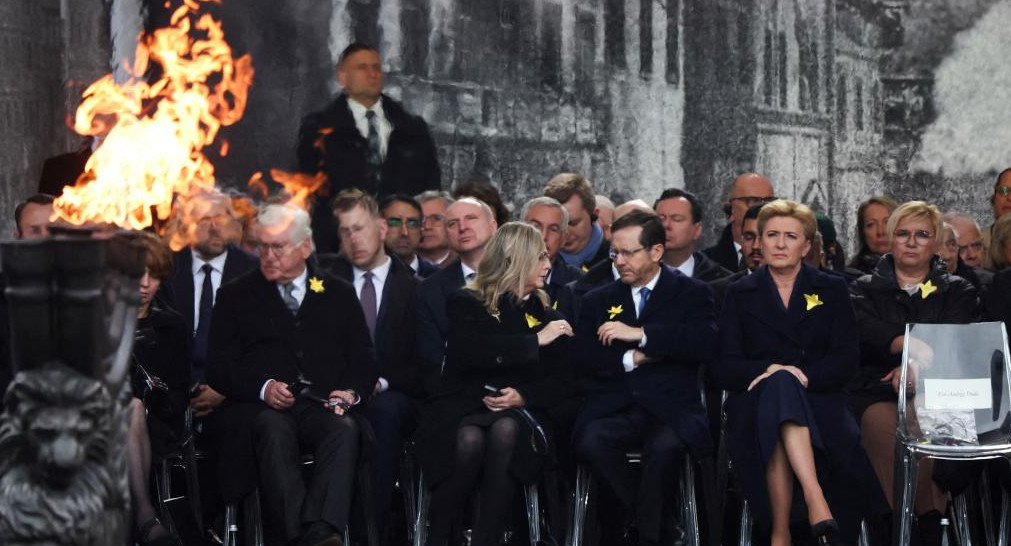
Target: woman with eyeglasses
point(872, 223)
point(788, 350)
point(489, 427)
point(909, 285)
point(160, 379)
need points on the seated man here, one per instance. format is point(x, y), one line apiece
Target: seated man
point(403, 217)
point(290, 346)
point(640, 340)
point(385, 288)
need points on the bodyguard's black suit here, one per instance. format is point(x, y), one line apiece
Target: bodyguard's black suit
point(724, 252)
point(706, 270)
point(254, 337)
point(820, 339)
point(411, 165)
point(390, 413)
point(433, 323)
point(657, 406)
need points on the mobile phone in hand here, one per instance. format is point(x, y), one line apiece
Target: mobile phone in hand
point(492, 391)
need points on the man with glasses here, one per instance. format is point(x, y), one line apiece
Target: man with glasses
point(748, 190)
point(403, 216)
point(639, 343)
point(970, 250)
point(434, 246)
point(198, 272)
point(292, 351)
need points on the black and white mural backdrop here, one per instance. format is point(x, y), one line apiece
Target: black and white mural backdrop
point(833, 100)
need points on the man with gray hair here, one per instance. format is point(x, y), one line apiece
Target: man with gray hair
point(291, 350)
point(434, 247)
point(971, 250)
point(552, 220)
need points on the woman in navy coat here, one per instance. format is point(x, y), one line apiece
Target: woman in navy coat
point(789, 348)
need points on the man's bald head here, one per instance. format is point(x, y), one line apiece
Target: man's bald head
point(748, 190)
point(629, 206)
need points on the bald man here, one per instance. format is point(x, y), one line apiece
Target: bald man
point(748, 190)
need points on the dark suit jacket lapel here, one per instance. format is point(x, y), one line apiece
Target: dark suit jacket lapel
point(392, 292)
point(809, 283)
point(312, 298)
point(620, 295)
point(184, 285)
point(766, 306)
point(232, 268)
point(667, 286)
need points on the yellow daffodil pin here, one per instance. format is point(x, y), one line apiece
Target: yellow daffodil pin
point(926, 289)
point(614, 311)
point(555, 305)
point(316, 285)
point(812, 301)
point(532, 321)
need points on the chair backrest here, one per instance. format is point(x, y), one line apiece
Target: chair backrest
point(955, 387)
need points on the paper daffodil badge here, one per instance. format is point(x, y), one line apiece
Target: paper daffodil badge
point(532, 321)
point(926, 289)
point(316, 285)
point(614, 311)
point(813, 300)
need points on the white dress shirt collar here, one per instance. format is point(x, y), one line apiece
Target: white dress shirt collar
point(687, 267)
point(379, 273)
point(217, 262)
point(466, 271)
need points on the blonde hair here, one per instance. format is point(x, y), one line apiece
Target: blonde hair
point(915, 209)
point(792, 209)
point(998, 238)
point(510, 259)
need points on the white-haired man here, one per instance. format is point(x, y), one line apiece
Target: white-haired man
point(291, 350)
point(552, 220)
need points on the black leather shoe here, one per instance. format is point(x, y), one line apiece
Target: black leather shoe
point(826, 532)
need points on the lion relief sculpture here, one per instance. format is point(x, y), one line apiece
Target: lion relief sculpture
point(62, 469)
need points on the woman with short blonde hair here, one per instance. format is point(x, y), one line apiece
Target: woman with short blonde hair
point(488, 428)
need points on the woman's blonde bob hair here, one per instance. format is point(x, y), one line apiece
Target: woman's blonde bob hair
point(912, 210)
point(792, 209)
point(511, 257)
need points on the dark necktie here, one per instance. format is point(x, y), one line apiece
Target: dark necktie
point(375, 153)
point(643, 296)
point(470, 277)
point(368, 300)
point(289, 300)
point(200, 336)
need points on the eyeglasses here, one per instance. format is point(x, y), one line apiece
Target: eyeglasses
point(277, 249)
point(626, 254)
point(395, 222)
point(752, 200)
point(434, 219)
point(921, 236)
point(544, 256)
point(1004, 191)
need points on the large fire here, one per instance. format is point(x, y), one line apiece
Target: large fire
point(153, 131)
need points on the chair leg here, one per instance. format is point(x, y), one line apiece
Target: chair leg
point(960, 511)
point(1005, 515)
point(533, 513)
point(905, 493)
point(231, 525)
point(744, 536)
point(408, 491)
point(421, 510)
point(193, 484)
point(253, 519)
point(864, 539)
point(580, 500)
point(365, 493)
point(690, 517)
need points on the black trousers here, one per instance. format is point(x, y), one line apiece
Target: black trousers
point(602, 445)
point(279, 439)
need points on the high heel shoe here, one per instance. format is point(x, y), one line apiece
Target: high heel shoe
point(826, 532)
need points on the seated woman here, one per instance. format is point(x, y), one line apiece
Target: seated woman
point(503, 337)
point(908, 285)
point(872, 221)
point(160, 378)
point(789, 348)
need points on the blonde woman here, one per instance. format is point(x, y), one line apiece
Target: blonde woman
point(488, 426)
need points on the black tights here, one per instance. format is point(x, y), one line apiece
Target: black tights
point(479, 454)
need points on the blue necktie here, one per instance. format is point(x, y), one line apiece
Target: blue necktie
point(643, 296)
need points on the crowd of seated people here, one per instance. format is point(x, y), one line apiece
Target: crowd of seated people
point(498, 353)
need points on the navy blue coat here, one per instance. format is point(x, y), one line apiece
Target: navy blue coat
point(680, 329)
point(433, 323)
point(821, 340)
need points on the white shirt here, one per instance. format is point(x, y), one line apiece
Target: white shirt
point(628, 360)
point(737, 248)
point(415, 264)
point(688, 266)
point(298, 292)
point(383, 125)
point(379, 274)
point(467, 271)
point(218, 263)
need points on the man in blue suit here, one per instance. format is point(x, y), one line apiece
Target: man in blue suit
point(640, 340)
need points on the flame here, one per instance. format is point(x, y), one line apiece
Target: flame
point(155, 133)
